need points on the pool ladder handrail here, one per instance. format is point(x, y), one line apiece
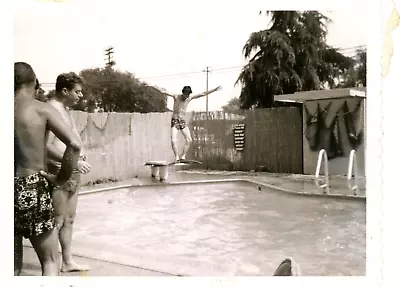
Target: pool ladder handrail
point(322, 157)
point(353, 169)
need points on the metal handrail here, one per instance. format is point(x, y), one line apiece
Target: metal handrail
point(353, 168)
point(322, 157)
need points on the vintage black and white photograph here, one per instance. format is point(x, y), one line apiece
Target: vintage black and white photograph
point(189, 139)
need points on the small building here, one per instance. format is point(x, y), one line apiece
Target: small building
point(333, 120)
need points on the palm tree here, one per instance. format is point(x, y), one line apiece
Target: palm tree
point(291, 55)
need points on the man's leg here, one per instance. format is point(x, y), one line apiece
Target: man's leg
point(174, 136)
point(65, 203)
point(18, 255)
point(46, 249)
point(188, 141)
point(69, 264)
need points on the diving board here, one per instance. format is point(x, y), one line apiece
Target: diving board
point(160, 167)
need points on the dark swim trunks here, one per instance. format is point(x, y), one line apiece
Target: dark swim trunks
point(73, 183)
point(33, 206)
point(179, 124)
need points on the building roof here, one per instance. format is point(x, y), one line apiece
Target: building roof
point(301, 97)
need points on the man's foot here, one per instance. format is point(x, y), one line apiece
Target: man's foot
point(183, 157)
point(74, 267)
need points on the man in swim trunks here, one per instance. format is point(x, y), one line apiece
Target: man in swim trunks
point(65, 198)
point(33, 186)
point(178, 123)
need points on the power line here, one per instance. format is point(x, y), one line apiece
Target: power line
point(352, 48)
point(189, 73)
point(227, 69)
point(347, 50)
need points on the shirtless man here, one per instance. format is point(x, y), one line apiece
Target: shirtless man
point(178, 119)
point(33, 208)
point(65, 198)
point(39, 92)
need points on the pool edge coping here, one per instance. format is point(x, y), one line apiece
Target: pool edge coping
point(207, 181)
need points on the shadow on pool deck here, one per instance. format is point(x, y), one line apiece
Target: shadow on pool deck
point(297, 183)
point(98, 268)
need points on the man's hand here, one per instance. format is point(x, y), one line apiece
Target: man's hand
point(83, 166)
point(52, 178)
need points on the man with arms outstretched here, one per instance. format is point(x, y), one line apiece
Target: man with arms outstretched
point(68, 93)
point(178, 123)
point(33, 207)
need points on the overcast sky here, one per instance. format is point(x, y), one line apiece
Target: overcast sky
point(158, 38)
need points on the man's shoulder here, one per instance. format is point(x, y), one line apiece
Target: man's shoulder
point(53, 103)
point(47, 108)
point(40, 106)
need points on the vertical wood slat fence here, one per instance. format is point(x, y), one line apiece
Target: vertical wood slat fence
point(118, 144)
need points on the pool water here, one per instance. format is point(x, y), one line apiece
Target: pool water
point(222, 229)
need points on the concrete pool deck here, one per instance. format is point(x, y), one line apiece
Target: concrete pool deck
point(294, 183)
point(300, 184)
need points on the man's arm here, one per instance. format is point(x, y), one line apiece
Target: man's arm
point(61, 130)
point(206, 93)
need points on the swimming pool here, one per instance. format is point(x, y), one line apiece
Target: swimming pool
point(221, 229)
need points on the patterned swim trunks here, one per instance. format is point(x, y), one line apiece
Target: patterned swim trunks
point(179, 124)
point(33, 206)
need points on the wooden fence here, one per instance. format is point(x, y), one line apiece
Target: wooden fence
point(118, 144)
point(273, 140)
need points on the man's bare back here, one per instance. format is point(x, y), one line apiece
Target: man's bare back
point(30, 136)
point(32, 121)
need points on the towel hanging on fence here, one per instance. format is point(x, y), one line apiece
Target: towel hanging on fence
point(103, 130)
point(80, 119)
point(312, 122)
point(355, 135)
point(327, 137)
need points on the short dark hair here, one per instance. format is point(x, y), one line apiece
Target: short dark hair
point(186, 90)
point(68, 81)
point(23, 74)
point(37, 86)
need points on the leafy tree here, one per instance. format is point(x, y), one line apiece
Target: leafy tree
point(357, 74)
point(233, 106)
point(107, 90)
point(291, 55)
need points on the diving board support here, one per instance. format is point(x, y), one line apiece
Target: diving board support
point(160, 168)
point(322, 158)
point(353, 170)
point(161, 171)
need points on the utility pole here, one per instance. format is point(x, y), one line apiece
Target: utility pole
point(109, 53)
point(207, 70)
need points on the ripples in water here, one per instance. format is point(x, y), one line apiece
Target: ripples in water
point(231, 225)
